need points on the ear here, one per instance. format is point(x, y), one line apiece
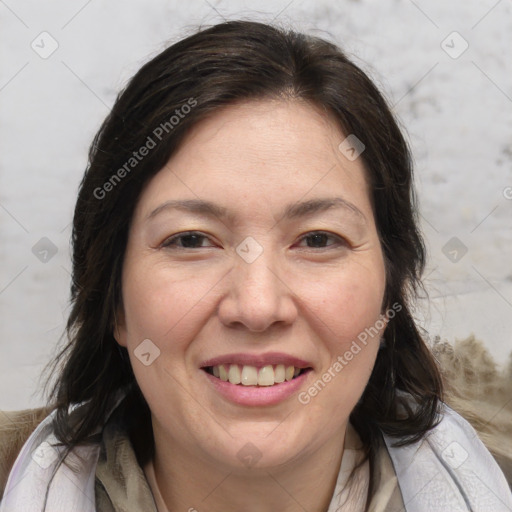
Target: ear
point(119, 328)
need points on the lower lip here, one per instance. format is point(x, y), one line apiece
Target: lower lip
point(257, 395)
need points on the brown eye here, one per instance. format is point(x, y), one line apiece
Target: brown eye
point(319, 239)
point(188, 240)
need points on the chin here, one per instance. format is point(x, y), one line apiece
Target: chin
point(261, 451)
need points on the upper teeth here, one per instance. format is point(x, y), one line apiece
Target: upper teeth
point(251, 376)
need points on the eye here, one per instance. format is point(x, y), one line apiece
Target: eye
point(185, 240)
point(318, 239)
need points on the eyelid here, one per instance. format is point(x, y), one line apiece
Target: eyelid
point(167, 242)
point(340, 239)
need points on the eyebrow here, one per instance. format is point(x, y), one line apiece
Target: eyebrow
point(291, 211)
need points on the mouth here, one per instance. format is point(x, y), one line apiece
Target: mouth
point(262, 376)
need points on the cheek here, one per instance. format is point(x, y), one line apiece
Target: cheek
point(161, 304)
point(349, 302)
point(350, 325)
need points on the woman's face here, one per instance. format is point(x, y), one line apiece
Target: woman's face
point(283, 268)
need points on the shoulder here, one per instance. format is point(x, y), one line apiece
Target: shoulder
point(449, 469)
point(15, 428)
point(493, 424)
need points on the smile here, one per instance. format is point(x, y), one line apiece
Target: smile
point(247, 375)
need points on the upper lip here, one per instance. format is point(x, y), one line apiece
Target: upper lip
point(259, 360)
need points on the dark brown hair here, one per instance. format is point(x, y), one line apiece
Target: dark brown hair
point(226, 63)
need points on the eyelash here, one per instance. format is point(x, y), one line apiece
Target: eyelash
point(170, 242)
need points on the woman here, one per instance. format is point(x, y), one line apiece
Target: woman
point(245, 249)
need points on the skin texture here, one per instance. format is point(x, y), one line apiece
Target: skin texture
point(304, 297)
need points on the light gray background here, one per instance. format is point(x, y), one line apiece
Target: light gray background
point(456, 112)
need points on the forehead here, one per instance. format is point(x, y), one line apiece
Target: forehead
point(265, 153)
point(265, 130)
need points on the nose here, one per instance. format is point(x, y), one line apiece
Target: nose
point(257, 295)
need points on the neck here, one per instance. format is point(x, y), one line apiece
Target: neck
point(187, 483)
